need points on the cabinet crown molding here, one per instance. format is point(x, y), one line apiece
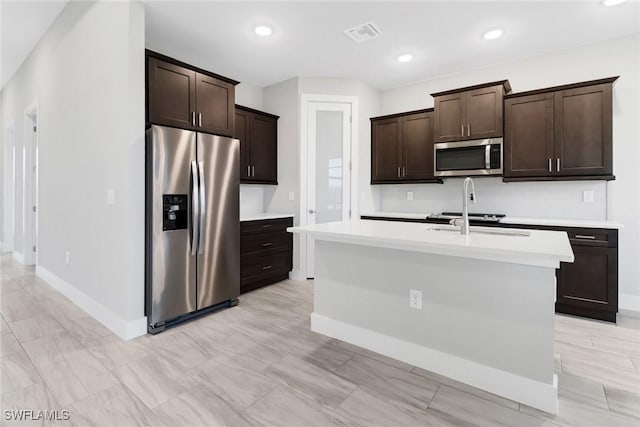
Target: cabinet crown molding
point(504, 83)
point(160, 56)
point(564, 87)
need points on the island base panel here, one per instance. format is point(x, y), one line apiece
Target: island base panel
point(484, 323)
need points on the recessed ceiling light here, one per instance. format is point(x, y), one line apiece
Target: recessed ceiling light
point(406, 57)
point(493, 34)
point(263, 30)
point(612, 2)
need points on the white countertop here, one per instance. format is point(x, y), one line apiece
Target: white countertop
point(539, 248)
point(513, 220)
point(263, 215)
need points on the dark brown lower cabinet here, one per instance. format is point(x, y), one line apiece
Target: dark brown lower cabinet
point(266, 252)
point(589, 286)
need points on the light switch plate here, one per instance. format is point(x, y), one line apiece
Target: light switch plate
point(409, 195)
point(292, 195)
point(111, 196)
point(587, 196)
point(415, 299)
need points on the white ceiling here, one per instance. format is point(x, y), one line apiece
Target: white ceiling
point(308, 38)
point(22, 24)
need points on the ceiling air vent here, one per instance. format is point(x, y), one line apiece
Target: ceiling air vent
point(363, 32)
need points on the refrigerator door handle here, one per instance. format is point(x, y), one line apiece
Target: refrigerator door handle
point(203, 209)
point(195, 208)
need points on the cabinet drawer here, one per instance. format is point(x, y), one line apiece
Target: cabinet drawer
point(593, 237)
point(264, 265)
point(265, 226)
point(260, 242)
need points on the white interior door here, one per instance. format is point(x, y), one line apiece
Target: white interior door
point(328, 167)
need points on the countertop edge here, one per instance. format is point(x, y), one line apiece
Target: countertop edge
point(537, 259)
point(264, 215)
point(577, 223)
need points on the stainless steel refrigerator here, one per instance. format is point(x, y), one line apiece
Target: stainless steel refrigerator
point(192, 224)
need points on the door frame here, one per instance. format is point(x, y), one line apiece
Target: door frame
point(305, 102)
point(30, 184)
point(9, 190)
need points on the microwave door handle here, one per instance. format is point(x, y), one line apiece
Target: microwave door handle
point(487, 156)
point(195, 209)
point(203, 209)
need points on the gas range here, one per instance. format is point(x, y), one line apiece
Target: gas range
point(445, 217)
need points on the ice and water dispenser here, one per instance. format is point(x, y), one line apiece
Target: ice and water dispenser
point(175, 209)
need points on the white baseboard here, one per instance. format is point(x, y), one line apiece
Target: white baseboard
point(521, 389)
point(296, 275)
point(629, 302)
point(125, 329)
point(18, 257)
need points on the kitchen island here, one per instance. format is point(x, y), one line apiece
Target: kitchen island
point(486, 308)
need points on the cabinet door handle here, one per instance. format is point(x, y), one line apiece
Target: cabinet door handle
point(558, 164)
point(550, 165)
point(267, 267)
point(267, 244)
point(404, 171)
point(248, 170)
point(398, 171)
point(462, 130)
point(199, 119)
point(193, 118)
point(468, 129)
point(586, 237)
point(253, 171)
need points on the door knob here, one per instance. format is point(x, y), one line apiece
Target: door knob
point(311, 211)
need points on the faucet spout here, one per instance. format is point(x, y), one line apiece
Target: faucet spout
point(464, 227)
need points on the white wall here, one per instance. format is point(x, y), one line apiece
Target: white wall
point(6, 169)
point(618, 200)
point(249, 95)
point(87, 76)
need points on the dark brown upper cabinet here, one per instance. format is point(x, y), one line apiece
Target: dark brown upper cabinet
point(528, 135)
point(562, 133)
point(187, 97)
point(402, 148)
point(258, 135)
point(473, 112)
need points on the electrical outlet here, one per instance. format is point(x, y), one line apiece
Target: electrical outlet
point(292, 196)
point(587, 196)
point(67, 256)
point(415, 299)
point(409, 195)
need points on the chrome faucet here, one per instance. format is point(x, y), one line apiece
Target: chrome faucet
point(464, 227)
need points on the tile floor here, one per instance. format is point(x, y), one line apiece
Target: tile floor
point(259, 365)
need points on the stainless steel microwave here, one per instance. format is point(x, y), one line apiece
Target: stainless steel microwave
point(468, 158)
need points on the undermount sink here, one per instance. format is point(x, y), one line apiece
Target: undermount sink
point(475, 230)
